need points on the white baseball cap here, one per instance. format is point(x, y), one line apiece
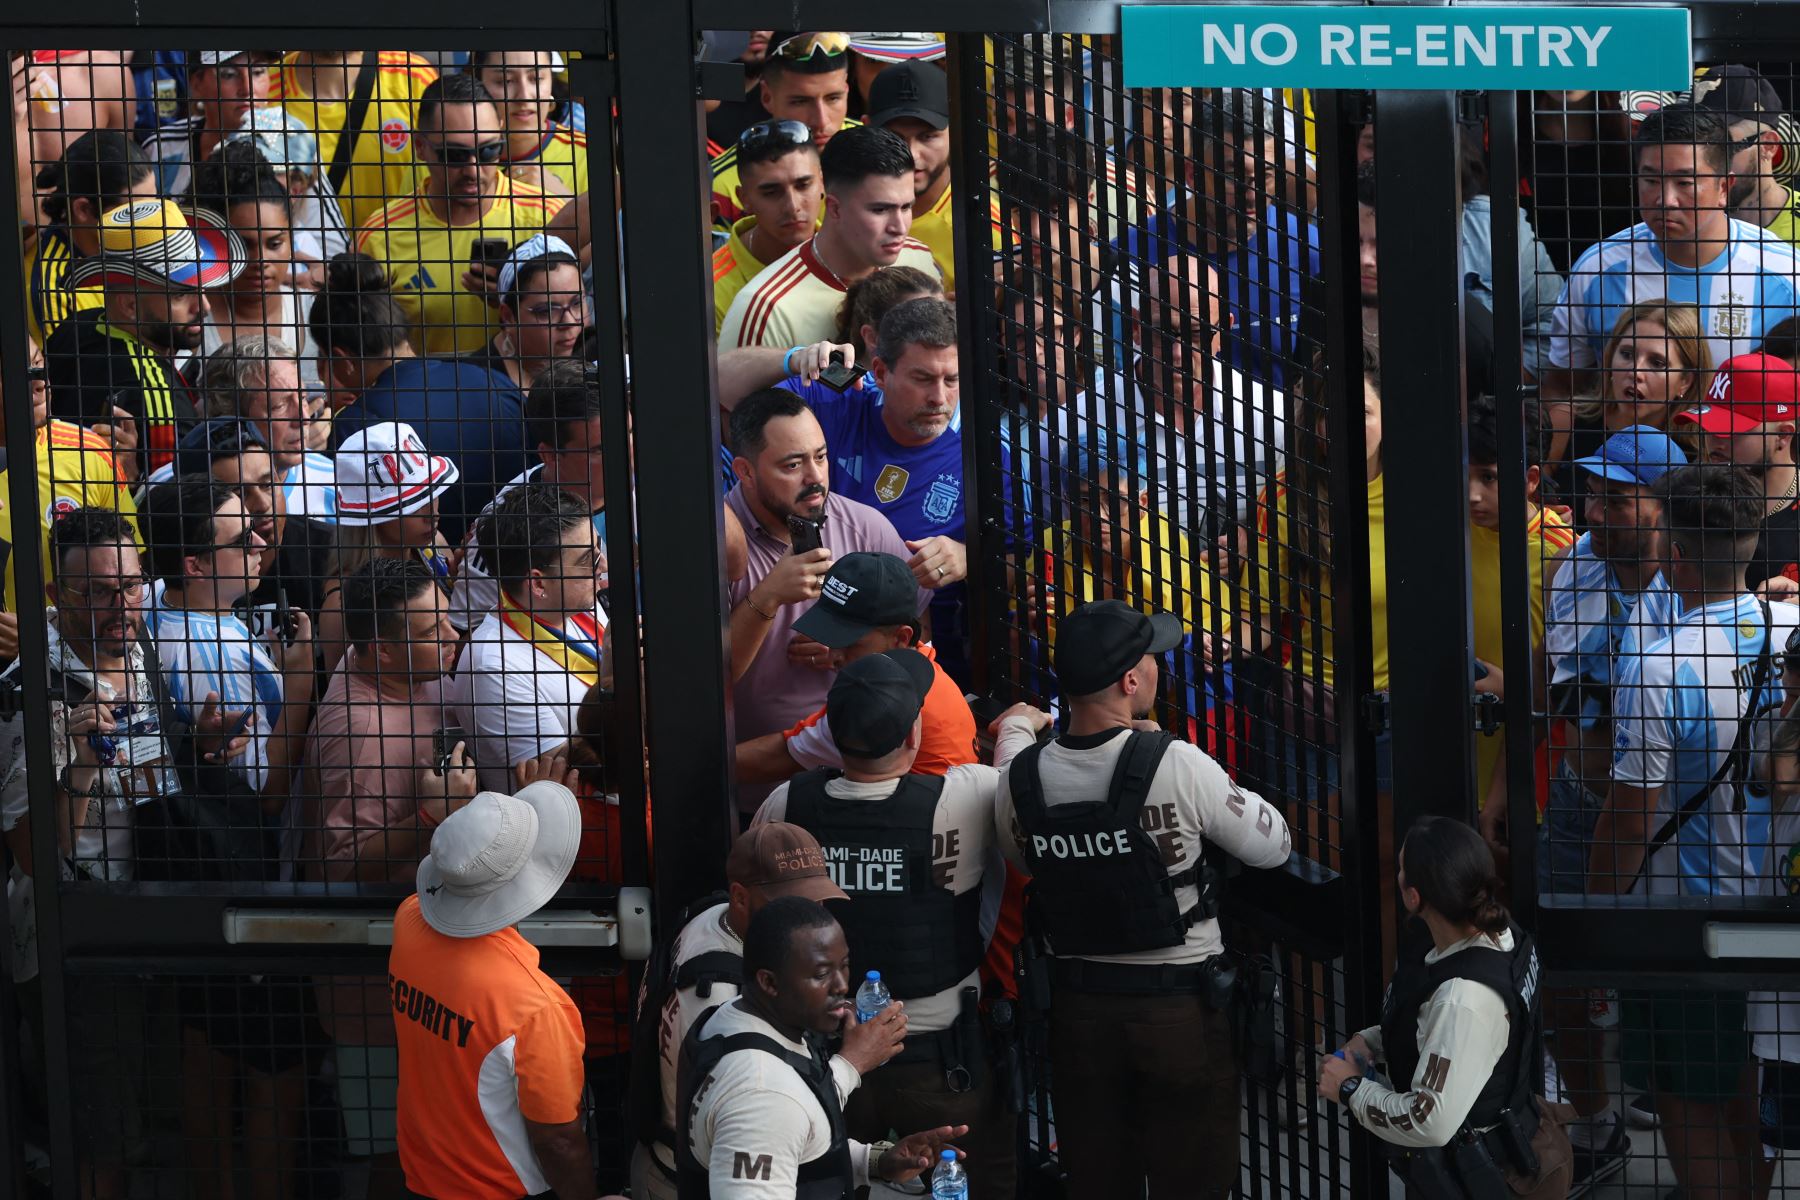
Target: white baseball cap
point(498, 859)
point(384, 472)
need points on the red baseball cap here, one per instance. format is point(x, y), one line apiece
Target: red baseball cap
point(1748, 391)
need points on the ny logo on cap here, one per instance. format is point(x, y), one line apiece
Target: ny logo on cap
point(1720, 390)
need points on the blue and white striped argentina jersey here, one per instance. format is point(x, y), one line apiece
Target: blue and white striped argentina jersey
point(1592, 620)
point(203, 652)
point(1745, 290)
point(1676, 708)
point(310, 489)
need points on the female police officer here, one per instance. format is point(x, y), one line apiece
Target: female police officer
point(1458, 1035)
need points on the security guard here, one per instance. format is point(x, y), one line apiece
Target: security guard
point(912, 851)
point(1459, 1037)
point(761, 1100)
point(1113, 821)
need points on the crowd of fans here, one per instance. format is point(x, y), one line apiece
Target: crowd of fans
point(319, 442)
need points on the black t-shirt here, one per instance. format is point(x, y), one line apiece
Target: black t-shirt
point(1778, 547)
point(93, 369)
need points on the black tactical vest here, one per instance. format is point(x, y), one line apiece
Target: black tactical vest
point(1098, 882)
point(828, 1177)
point(920, 936)
point(1513, 975)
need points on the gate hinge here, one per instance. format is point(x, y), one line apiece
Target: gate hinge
point(1360, 105)
point(1377, 710)
point(1487, 712)
point(1471, 107)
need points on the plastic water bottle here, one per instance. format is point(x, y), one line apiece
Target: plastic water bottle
point(949, 1181)
point(871, 997)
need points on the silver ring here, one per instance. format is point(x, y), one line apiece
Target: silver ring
point(940, 571)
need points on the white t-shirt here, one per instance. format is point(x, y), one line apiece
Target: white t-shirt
point(755, 1120)
point(962, 829)
point(290, 325)
point(705, 934)
point(514, 700)
point(1191, 801)
point(1463, 1029)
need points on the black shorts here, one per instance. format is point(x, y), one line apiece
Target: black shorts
point(1780, 1105)
point(265, 1023)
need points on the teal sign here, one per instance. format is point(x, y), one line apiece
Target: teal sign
point(1496, 47)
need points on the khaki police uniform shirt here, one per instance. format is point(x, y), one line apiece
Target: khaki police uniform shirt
point(755, 1121)
point(962, 834)
point(1463, 1029)
point(1191, 801)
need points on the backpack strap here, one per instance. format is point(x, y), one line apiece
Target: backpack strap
point(353, 119)
point(703, 970)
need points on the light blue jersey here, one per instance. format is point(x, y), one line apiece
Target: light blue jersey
point(1749, 287)
point(1676, 710)
point(1591, 621)
point(202, 652)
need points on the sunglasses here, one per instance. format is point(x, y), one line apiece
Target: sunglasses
point(767, 133)
point(804, 46)
point(487, 154)
point(241, 542)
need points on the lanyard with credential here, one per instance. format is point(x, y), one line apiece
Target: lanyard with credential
point(577, 655)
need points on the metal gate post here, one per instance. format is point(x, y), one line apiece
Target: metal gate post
point(687, 695)
point(1424, 444)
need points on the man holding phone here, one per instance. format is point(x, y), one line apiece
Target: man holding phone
point(377, 787)
point(443, 245)
point(784, 500)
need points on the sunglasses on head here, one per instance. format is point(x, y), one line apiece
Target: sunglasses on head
point(764, 133)
point(804, 46)
point(487, 154)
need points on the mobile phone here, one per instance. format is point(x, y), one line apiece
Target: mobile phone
point(443, 745)
point(838, 375)
point(286, 627)
point(488, 252)
point(808, 533)
point(243, 723)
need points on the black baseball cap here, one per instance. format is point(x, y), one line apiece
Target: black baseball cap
point(863, 591)
point(1100, 641)
point(910, 89)
point(1737, 93)
point(213, 439)
point(875, 700)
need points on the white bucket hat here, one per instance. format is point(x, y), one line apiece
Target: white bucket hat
point(498, 859)
point(384, 473)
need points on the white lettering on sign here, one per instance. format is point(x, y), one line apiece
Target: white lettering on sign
point(866, 868)
point(1230, 45)
point(1084, 845)
point(1259, 45)
point(1373, 45)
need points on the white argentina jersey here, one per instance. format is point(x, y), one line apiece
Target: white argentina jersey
point(1592, 621)
point(1749, 287)
point(1676, 709)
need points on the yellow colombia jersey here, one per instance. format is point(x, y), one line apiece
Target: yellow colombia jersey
point(1305, 610)
point(1167, 576)
point(49, 301)
point(725, 183)
point(1547, 537)
point(427, 259)
point(934, 229)
point(382, 168)
point(733, 267)
point(74, 470)
point(564, 155)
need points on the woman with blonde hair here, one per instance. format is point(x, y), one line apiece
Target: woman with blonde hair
point(1656, 364)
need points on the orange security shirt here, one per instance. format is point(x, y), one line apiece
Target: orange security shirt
point(487, 1042)
point(946, 726)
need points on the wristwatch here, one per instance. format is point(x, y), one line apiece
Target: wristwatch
point(878, 1151)
point(1348, 1088)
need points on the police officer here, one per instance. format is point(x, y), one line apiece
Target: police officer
point(912, 851)
point(1113, 821)
point(1458, 1033)
point(761, 1102)
point(704, 968)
